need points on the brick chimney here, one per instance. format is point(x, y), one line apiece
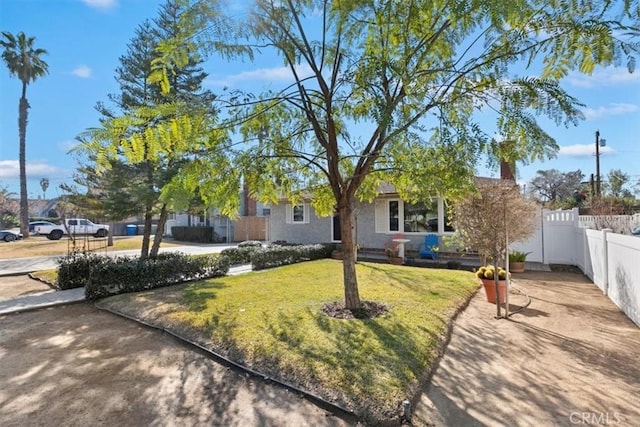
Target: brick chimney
point(507, 171)
point(250, 204)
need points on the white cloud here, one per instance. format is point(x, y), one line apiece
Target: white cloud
point(276, 74)
point(612, 109)
point(604, 77)
point(66, 146)
point(82, 71)
point(101, 4)
point(583, 150)
point(11, 169)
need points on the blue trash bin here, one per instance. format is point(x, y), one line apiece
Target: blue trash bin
point(132, 230)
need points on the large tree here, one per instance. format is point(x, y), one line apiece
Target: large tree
point(25, 62)
point(617, 182)
point(552, 185)
point(147, 109)
point(388, 90)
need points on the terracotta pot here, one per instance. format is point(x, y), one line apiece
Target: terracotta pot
point(395, 260)
point(516, 267)
point(490, 290)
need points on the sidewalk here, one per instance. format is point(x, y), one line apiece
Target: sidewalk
point(52, 298)
point(41, 300)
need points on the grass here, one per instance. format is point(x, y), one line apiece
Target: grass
point(272, 321)
point(41, 246)
point(49, 276)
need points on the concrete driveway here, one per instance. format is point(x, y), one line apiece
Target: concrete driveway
point(570, 358)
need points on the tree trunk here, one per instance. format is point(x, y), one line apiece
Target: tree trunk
point(160, 231)
point(351, 294)
point(148, 215)
point(112, 227)
point(24, 200)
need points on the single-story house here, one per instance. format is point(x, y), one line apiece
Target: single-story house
point(375, 223)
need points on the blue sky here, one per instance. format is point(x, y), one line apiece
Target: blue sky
point(85, 38)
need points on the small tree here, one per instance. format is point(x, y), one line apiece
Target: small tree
point(491, 218)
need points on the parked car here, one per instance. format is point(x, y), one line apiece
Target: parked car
point(75, 226)
point(10, 235)
point(34, 224)
point(636, 231)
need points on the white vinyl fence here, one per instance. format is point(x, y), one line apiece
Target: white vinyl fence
point(610, 260)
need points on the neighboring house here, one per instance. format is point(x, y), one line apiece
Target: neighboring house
point(375, 223)
point(250, 225)
point(41, 207)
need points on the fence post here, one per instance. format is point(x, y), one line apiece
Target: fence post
point(605, 251)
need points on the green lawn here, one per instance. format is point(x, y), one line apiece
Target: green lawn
point(272, 321)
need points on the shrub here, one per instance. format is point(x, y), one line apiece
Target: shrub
point(75, 270)
point(104, 276)
point(277, 255)
point(240, 255)
point(250, 243)
point(517, 256)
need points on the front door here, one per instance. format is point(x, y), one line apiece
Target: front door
point(337, 234)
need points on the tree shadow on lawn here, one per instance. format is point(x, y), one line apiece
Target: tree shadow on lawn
point(366, 365)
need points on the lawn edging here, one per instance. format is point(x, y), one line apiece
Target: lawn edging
point(152, 311)
point(333, 408)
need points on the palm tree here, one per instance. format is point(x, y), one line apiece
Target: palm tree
point(25, 62)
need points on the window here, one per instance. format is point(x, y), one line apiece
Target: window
point(420, 217)
point(297, 214)
point(394, 215)
point(398, 216)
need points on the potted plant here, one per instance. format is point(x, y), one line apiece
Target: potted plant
point(336, 253)
point(392, 250)
point(516, 261)
point(487, 275)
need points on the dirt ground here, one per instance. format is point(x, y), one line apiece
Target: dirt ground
point(570, 358)
point(17, 286)
point(75, 365)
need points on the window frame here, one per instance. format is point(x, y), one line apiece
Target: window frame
point(386, 208)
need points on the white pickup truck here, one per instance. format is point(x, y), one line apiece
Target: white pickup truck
point(75, 226)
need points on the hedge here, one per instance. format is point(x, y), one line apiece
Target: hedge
point(277, 255)
point(104, 276)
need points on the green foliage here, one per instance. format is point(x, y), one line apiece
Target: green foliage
point(250, 243)
point(273, 322)
point(414, 76)
point(25, 62)
point(553, 186)
point(104, 276)
point(277, 255)
point(518, 256)
point(75, 270)
point(240, 255)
